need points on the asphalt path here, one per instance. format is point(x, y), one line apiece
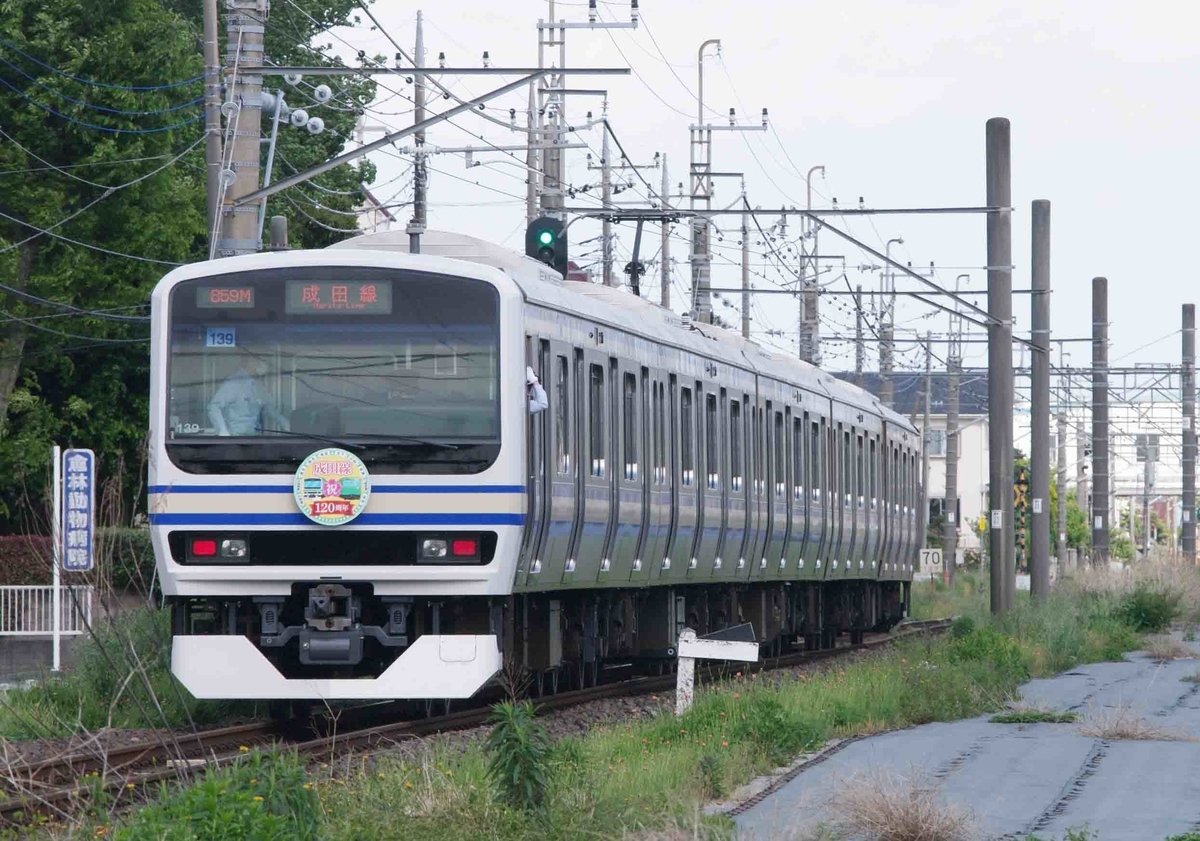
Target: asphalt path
point(1041, 779)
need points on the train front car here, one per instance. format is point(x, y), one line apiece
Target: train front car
point(336, 488)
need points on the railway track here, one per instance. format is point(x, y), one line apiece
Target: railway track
point(54, 786)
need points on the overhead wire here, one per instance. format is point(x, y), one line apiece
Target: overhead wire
point(94, 82)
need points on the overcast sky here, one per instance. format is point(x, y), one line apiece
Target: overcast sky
point(891, 97)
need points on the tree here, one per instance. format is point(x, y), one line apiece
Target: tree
point(67, 142)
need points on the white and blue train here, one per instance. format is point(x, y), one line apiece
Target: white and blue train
point(351, 499)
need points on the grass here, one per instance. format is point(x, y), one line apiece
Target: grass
point(1165, 648)
point(1020, 714)
point(1121, 723)
point(122, 679)
point(887, 807)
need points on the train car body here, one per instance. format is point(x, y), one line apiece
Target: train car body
point(350, 498)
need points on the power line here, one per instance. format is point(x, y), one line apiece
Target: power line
point(96, 126)
point(83, 104)
point(95, 83)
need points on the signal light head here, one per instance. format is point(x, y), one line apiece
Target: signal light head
point(545, 237)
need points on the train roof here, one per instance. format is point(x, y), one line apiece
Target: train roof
point(544, 286)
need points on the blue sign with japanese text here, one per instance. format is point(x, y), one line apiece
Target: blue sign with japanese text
point(79, 509)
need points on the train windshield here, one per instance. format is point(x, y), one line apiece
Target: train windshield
point(400, 367)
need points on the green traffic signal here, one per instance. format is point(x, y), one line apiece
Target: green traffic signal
point(546, 242)
point(545, 237)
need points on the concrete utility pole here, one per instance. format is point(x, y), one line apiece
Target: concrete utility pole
point(533, 141)
point(1147, 480)
point(606, 234)
point(244, 23)
point(416, 226)
point(1100, 514)
point(1039, 458)
point(552, 108)
point(1189, 432)
point(212, 114)
point(1062, 484)
point(953, 374)
point(923, 519)
point(1000, 371)
point(810, 303)
point(745, 264)
point(887, 328)
point(859, 349)
point(665, 251)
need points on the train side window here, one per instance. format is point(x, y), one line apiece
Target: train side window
point(562, 415)
point(687, 458)
point(798, 458)
point(629, 410)
point(780, 477)
point(815, 432)
point(655, 432)
point(847, 470)
point(759, 454)
point(596, 417)
point(873, 470)
point(735, 444)
point(712, 432)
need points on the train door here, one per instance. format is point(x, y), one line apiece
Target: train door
point(872, 553)
point(777, 492)
point(659, 480)
point(708, 556)
point(631, 383)
point(797, 542)
point(597, 478)
point(736, 408)
point(756, 517)
point(895, 522)
point(561, 468)
point(820, 520)
point(859, 553)
point(539, 461)
point(687, 507)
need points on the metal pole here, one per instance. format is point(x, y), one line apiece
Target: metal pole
point(859, 349)
point(533, 141)
point(924, 514)
point(1100, 513)
point(810, 310)
point(606, 248)
point(416, 225)
point(887, 331)
point(665, 251)
point(701, 190)
point(244, 26)
point(745, 266)
point(1146, 506)
point(279, 105)
point(1189, 433)
point(1000, 374)
point(212, 112)
point(56, 531)
point(1039, 458)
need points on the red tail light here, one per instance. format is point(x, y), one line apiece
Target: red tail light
point(204, 548)
point(464, 548)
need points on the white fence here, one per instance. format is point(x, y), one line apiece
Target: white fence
point(28, 610)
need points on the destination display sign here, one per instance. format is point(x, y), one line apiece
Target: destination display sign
point(330, 296)
point(225, 297)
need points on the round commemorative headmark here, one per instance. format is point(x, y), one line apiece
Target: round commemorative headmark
point(332, 487)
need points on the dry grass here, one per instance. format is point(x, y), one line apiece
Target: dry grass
point(1165, 647)
point(1194, 677)
point(885, 806)
point(1121, 722)
point(1164, 575)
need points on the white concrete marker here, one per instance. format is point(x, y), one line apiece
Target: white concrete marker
point(692, 648)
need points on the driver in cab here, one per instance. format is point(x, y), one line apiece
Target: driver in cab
point(241, 403)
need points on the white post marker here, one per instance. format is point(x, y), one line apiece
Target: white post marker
point(736, 643)
point(56, 540)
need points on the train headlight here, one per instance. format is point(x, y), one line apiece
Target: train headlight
point(433, 549)
point(233, 548)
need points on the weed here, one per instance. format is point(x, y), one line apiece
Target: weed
point(1121, 723)
point(887, 807)
point(1194, 677)
point(1150, 609)
point(961, 627)
point(1164, 648)
point(520, 751)
point(1034, 716)
point(1187, 836)
point(1189, 635)
point(264, 797)
point(712, 776)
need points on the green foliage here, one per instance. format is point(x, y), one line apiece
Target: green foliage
point(962, 627)
point(1150, 610)
point(519, 749)
point(1187, 836)
point(122, 679)
point(264, 797)
point(988, 645)
point(1120, 546)
point(712, 774)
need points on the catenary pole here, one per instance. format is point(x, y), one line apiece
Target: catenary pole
point(665, 251)
point(1189, 432)
point(745, 265)
point(859, 346)
point(606, 235)
point(923, 516)
point(212, 112)
point(1000, 372)
point(419, 220)
point(1039, 459)
point(950, 535)
point(1061, 474)
point(1100, 478)
point(244, 23)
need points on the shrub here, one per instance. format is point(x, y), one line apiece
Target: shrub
point(766, 723)
point(520, 751)
point(987, 645)
point(961, 627)
point(712, 776)
point(1150, 609)
point(264, 797)
point(25, 559)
